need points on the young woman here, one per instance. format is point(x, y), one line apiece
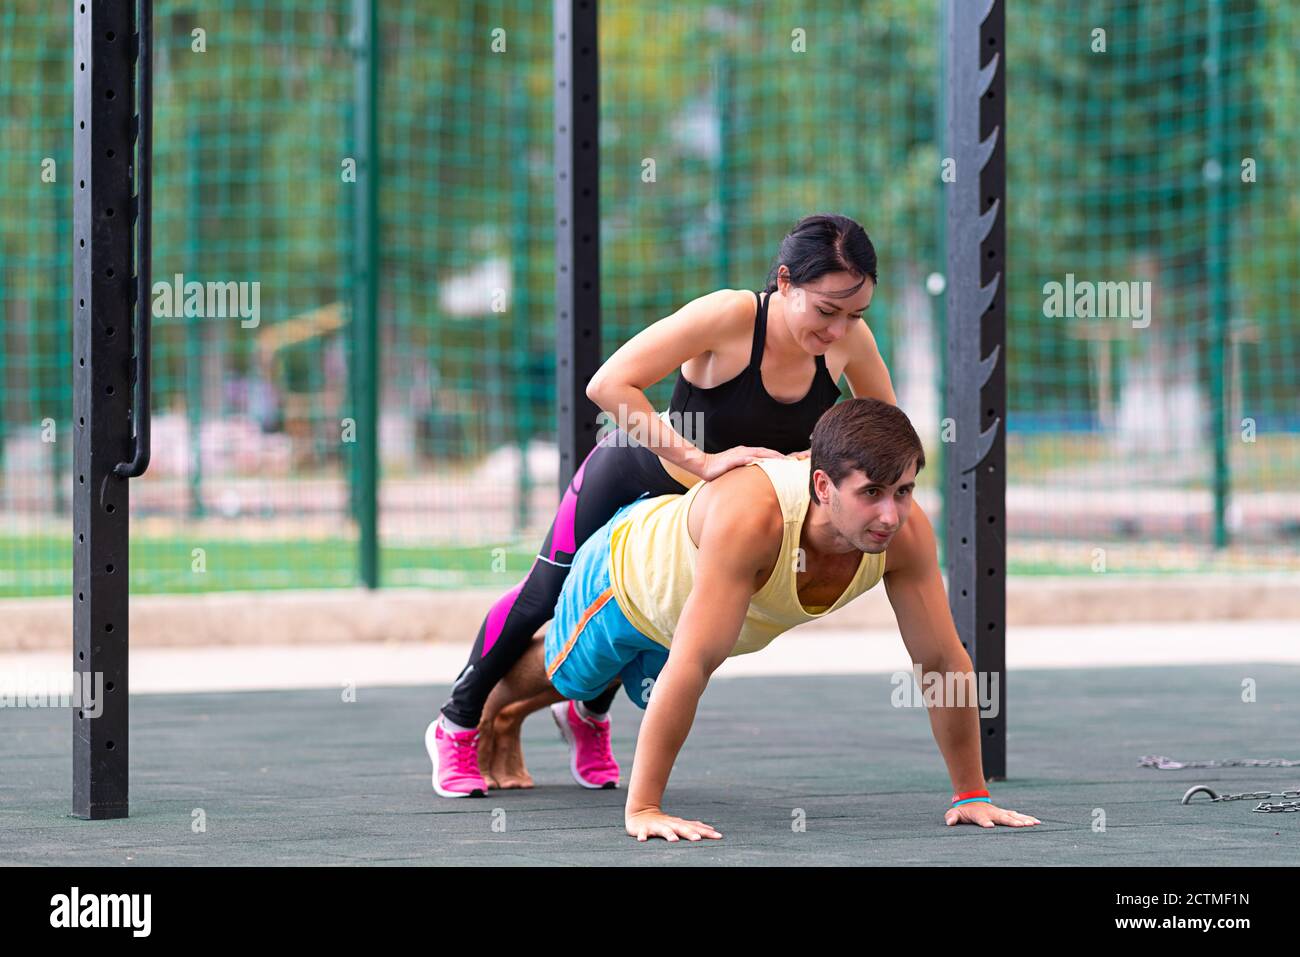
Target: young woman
point(757, 370)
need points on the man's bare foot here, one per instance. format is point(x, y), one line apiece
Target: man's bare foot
point(486, 749)
point(501, 750)
point(505, 764)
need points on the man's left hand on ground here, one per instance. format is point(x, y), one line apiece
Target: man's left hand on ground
point(987, 815)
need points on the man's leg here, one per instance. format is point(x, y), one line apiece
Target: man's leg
point(523, 690)
point(584, 649)
point(501, 751)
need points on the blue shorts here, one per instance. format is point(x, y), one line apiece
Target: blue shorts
point(590, 642)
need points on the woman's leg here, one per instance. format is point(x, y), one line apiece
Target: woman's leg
point(602, 704)
point(501, 754)
point(610, 477)
point(517, 615)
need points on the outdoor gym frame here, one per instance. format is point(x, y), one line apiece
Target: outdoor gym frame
point(111, 334)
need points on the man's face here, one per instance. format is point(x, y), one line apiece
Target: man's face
point(818, 319)
point(867, 513)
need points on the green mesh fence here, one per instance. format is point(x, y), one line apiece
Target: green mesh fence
point(1165, 157)
point(1153, 152)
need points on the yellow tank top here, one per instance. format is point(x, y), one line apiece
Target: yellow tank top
point(652, 564)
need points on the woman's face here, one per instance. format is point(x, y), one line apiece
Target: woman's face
point(819, 313)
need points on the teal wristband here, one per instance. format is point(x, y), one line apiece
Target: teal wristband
point(972, 800)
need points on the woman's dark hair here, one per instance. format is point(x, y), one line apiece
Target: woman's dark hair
point(868, 435)
point(822, 244)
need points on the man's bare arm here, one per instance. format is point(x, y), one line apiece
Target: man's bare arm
point(737, 533)
point(920, 604)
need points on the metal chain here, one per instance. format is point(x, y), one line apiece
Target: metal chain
point(1292, 805)
point(1169, 764)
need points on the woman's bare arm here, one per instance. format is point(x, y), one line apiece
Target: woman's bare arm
point(618, 387)
point(866, 371)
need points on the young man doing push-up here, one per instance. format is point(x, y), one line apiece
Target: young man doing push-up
point(673, 585)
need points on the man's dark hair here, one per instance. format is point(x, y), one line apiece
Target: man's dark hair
point(867, 435)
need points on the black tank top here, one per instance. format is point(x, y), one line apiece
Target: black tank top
point(740, 411)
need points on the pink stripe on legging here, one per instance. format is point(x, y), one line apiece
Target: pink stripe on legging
point(563, 537)
point(496, 618)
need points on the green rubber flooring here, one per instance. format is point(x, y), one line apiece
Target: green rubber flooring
point(805, 771)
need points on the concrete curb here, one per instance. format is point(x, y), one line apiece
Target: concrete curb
point(423, 615)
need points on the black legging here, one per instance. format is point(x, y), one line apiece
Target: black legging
point(615, 473)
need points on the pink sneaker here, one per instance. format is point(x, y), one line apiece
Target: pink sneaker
point(590, 757)
point(455, 761)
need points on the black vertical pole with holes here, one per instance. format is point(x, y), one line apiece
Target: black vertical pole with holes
point(110, 383)
point(976, 398)
point(577, 230)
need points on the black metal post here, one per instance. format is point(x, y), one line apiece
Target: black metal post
point(110, 290)
point(976, 395)
point(577, 230)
